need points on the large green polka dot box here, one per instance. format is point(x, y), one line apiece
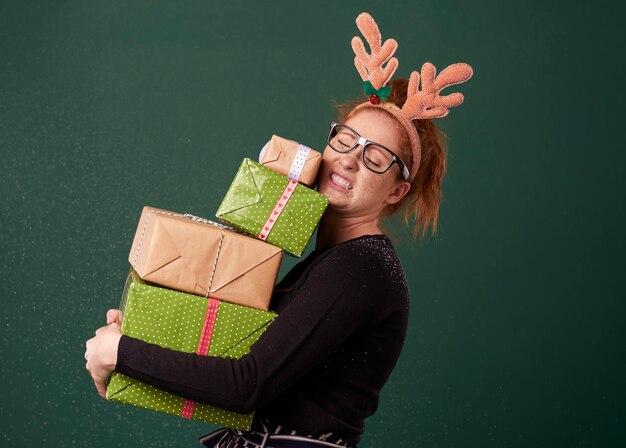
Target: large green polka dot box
point(271, 207)
point(187, 323)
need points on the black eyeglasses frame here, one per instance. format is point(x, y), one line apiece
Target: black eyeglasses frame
point(364, 143)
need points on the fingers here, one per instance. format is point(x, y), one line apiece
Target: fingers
point(114, 315)
point(98, 381)
point(101, 329)
point(107, 327)
point(101, 387)
point(99, 357)
point(88, 349)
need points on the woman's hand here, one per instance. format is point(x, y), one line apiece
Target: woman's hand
point(114, 316)
point(101, 353)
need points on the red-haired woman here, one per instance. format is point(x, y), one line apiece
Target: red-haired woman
point(317, 371)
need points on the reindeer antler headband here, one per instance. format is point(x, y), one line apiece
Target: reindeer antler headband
point(424, 103)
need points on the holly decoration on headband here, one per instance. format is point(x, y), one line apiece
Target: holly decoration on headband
point(376, 96)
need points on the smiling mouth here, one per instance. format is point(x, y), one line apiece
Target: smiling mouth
point(340, 181)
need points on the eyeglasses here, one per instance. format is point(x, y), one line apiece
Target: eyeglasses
point(375, 156)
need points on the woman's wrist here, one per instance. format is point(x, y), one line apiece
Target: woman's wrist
point(115, 350)
point(123, 355)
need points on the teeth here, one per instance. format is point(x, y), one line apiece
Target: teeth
point(341, 181)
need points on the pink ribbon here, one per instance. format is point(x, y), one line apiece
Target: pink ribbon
point(204, 343)
point(188, 408)
point(278, 209)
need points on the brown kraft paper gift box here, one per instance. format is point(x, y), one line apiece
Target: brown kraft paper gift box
point(191, 254)
point(279, 153)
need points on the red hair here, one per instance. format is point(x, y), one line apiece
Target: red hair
point(421, 203)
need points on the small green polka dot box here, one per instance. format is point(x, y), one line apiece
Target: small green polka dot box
point(270, 206)
point(187, 323)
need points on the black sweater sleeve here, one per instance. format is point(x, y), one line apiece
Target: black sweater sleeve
point(337, 296)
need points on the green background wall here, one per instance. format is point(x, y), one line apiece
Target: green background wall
point(516, 336)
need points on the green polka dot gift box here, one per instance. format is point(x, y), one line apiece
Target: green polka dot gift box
point(272, 207)
point(187, 323)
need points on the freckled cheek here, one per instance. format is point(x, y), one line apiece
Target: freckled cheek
point(327, 164)
point(369, 191)
point(371, 187)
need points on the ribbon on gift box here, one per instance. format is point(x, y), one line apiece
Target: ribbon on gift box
point(297, 165)
point(298, 162)
point(204, 344)
point(278, 209)
point(222, 227)
point(203, 220)
point(208, 326)
point(210, 317)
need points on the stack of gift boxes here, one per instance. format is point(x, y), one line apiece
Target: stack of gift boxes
point(197, 286)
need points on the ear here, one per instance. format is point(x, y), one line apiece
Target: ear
point(398, 192)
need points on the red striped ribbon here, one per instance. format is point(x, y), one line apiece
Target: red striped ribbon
point(207, 329)
point(204, 343)
point(188, 408)
point(278, 209)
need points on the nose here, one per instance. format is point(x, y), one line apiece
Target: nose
point(351, 159)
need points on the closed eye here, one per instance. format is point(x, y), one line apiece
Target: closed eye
point(343, 143)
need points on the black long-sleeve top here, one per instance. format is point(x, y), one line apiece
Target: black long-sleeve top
point(320, 366)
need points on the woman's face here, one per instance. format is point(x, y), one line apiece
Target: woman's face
point(353, 189)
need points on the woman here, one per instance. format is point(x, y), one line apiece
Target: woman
point(316, 373)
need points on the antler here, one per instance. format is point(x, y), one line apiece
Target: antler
point(427, 103)
point(370, 66)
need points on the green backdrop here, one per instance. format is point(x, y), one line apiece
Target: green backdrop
point(516, 336)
